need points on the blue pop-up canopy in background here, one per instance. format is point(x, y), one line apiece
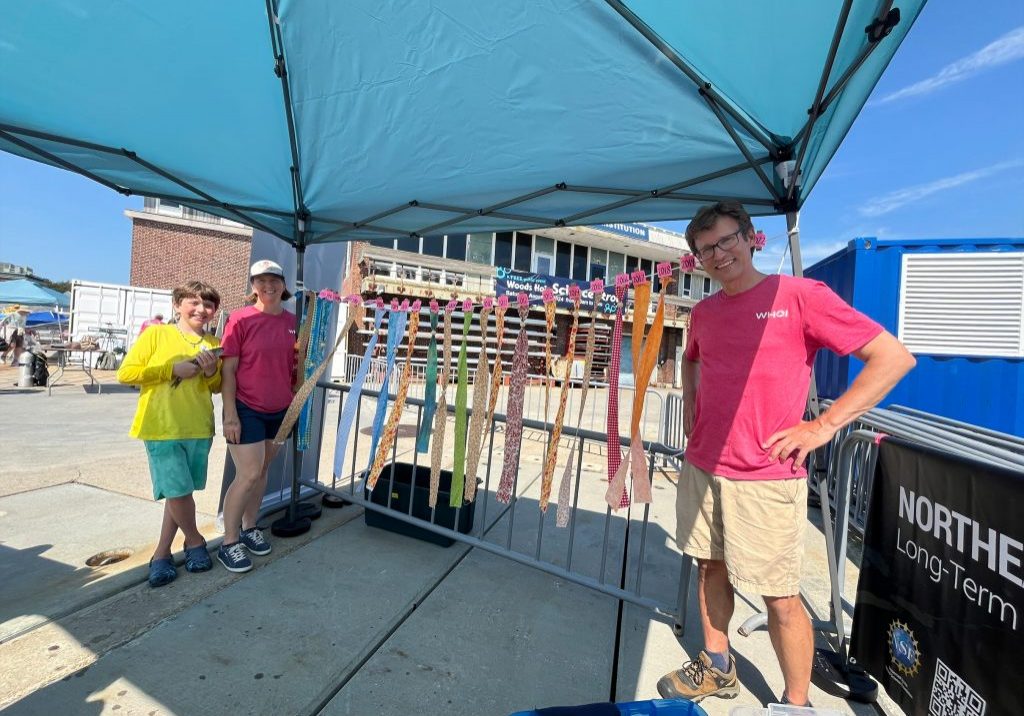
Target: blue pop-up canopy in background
point(328, 121)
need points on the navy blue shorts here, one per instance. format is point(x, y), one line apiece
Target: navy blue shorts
point(257, 426)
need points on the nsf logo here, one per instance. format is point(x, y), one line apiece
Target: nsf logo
point(903, 649)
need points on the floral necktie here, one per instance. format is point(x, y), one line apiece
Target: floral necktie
point(514, 417)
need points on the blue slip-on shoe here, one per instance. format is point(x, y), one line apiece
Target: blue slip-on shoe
point(161, 572)
point(234, 557)
point(254, 541)
point(197, 559)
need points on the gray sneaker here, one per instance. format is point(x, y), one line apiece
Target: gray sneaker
point(698, 679)
point(254, 541)
point(234, 557)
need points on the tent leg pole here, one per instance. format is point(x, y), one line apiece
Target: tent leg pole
point(296, 521)
point(793, 233)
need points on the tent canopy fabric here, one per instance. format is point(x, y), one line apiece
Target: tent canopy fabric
point(45, 318)
point(326, 121)
point(29, 293)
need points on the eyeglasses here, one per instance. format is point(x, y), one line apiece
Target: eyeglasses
point(725, 243)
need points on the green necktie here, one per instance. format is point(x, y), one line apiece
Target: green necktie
point(459, 469)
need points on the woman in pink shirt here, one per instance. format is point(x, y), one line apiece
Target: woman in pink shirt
point(258, 374)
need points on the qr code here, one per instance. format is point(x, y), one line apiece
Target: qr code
point(952, 696)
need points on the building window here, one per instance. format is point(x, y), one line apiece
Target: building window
point(503, 249)
point(455, 247)
point(524, 252)
point(480, 248)
point(563, 261)
point(686, 285)
point(616, 265)
point(407, 243)
point(707, 287)
point(579, 262)
point(544, 256)
point(433, 246)
point(598, 263)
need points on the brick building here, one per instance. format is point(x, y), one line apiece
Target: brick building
point(172, 244)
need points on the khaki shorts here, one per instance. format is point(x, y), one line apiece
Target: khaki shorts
point(755, 526)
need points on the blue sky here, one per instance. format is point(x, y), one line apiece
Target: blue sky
point(937, 152)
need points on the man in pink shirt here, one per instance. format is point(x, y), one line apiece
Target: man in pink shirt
point(156, 320)
point(741, 502)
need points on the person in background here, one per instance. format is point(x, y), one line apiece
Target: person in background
point(175, 422)
point(259, 370)
point(16, 321)
point(156, 320)
point(741, 505)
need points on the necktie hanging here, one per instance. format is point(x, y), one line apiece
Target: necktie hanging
point(481, 382)
point(391, 429)
point(348, 412)
point(556, 434)
point(614, 448)
point(461, 393)
point(441, 415)
point(430, 389)
point(514, 413)
point(396, 328)
point(499, 334)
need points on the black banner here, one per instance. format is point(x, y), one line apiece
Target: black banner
point(512, 283)
point(940, 602)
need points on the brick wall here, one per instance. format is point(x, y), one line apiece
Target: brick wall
point(167, 255)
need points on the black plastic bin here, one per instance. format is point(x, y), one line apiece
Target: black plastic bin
point(419, 489)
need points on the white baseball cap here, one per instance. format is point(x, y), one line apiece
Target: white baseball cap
point(266, 267)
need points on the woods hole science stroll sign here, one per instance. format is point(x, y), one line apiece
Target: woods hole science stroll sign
point(509, 282)
point(940, 602)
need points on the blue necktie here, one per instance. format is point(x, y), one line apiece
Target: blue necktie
point(430, 392)
point(396, 329)
point(348, 412)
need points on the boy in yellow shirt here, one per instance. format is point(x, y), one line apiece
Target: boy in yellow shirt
point(176, 366)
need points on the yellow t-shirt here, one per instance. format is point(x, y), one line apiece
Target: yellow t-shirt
point(166, 413)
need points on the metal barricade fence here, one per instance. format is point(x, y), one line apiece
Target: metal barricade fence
point(617, 570)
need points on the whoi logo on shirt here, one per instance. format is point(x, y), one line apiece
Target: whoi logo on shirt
point(765, 315)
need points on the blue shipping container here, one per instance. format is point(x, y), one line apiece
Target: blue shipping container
point(983, 390)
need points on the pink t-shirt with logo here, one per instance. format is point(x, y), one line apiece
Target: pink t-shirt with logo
point(265, 347)
point(756, 351)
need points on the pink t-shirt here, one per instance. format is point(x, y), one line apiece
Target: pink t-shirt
point(265, 347)
point(756, 350)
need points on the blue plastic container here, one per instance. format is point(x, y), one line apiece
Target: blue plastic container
point(654, 707)
point(983, 390)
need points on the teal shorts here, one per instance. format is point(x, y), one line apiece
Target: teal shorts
point(177, 467)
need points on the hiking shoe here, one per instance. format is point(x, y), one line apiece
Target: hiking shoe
point(254, 541)
point(161, 572)
point(234, 557)
point(197, 559)
point(698, 679)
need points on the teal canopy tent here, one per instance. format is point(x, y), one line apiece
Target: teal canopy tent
point(29, 293)
point(331, 121)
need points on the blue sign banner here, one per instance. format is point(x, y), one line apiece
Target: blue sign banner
point(637, 232)
point(511, 283)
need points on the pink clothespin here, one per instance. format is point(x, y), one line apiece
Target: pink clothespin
point(622, 281)
point(523, 300)
point(664, 270)
point(394, 304)
point(353, 299)
point(687, 263)
point(380, 303)
point(416, 305)
point(467, 305)
point(760, 240)
point(488, 303)
point(434, 305)
point(502, 302)
point(450, 306)
point(574, 293)
point(405, 305)
point(597, 286)
point(638, 277)
point(548, 295)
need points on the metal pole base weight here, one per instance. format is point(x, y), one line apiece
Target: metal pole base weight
point(831, 676)
point(308, 509)
point(331, 502)
point(285, 527)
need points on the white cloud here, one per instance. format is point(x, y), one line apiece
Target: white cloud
point(1007, 48)
point(894, 200)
